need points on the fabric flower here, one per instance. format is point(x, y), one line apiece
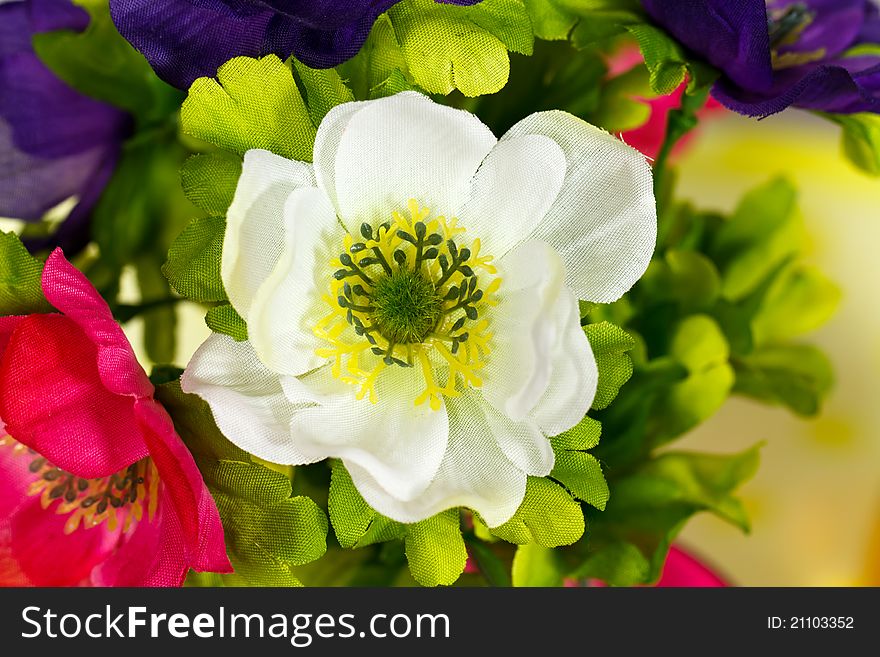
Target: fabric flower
point(782, 53)
point(683, 569)
point(54, 142)
point(188, 39)
point(98, 488)
point(412, 299)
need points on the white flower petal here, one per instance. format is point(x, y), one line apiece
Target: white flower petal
point(525, 336)
point(402, 147)
point(392, 441)
point(252, 244)
point(512, 192)
point(475, 473)
point(574, 376)
point(604, 220)
point(327, 140)
point(288, 304)
point(246, 398)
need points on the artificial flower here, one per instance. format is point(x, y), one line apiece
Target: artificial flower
point(188, 39)
point(782, 53)
point(98, 488)
point(648, 137)
point(411, 299)
point(683, 569)
point(55, 143)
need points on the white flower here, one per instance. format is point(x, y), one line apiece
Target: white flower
point(411, 299)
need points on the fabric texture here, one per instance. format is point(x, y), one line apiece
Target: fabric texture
point(72, 391)
point(188, 39)
point(54, 142)
point(805, 65)
point(447, 430)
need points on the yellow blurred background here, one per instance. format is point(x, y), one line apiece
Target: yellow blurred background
point(815, 502)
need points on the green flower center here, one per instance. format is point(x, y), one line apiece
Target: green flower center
point(407, 306)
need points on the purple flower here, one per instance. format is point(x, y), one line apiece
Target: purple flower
point(54, 142)
point(187, 39)
point(782, 52)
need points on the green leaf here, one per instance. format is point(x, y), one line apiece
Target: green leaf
point(860, 140)
point(267, 531)
point(354, 521)
point(435, 549)
point(21, 292)
point(323, 88)
point(224, 319)
point(797, 376)
point(664, 58)
point(489, 564)
point(581, 437)
point(193, 265)
point(548, 516)
point(448, 47)
point(582, 475)
point(99, 63)
point(253, 103)
point(629, 540)
point(763, 232)
point(700, 346)
point(378, 68)
point(584, 21)
point(535, 565)
point(209, 181)
point(800, 300)
point(610, 345)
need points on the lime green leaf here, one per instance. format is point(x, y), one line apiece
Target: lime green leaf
point(378, 69)
point(535, 565)
point(762, 233)
point(860, 140)
point(435, 549)
point(253, 103)
point(700, 346)
point(629, 540)
point(622, 104)
point(99, 63)
point(548, 516)
point(581, 474)
point(324, 89)
point(447, 47)
point(581, 437)
point(193, 266)
point(267, 531)
point(356, 524)
point(224, 319)
point(798, 376)
point(800, 300)
point(20, 290)
point(584, 21)
point(664, 58)
point(209, 180)
point(610, 345)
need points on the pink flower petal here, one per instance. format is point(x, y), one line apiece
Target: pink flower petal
point(682, 569)
point(71, 292)
point(53, 401)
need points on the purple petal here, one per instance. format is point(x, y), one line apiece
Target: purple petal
point(835, 25)
point(732, 36)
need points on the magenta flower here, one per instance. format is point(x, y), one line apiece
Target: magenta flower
point(97, 487)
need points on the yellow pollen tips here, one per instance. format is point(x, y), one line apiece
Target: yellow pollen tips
point(409, 293)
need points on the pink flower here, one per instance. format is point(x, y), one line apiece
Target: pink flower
point(681, 569)
point(96, 487)
point(648, 138)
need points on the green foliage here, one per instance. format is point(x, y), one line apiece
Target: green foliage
point(577, 470)
point(547, 516)
point(378, 70)
point(193, 265)
point(610, 346)
point(629, 541)
point(20, 289)
point(448, 47)
point(583, 21)
point(224, 319)
point(322, 90)
point(209, 180)
point(100, 63)
point(860, 140)
point(535, 565)
point(253, 103)
point(268, 532)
